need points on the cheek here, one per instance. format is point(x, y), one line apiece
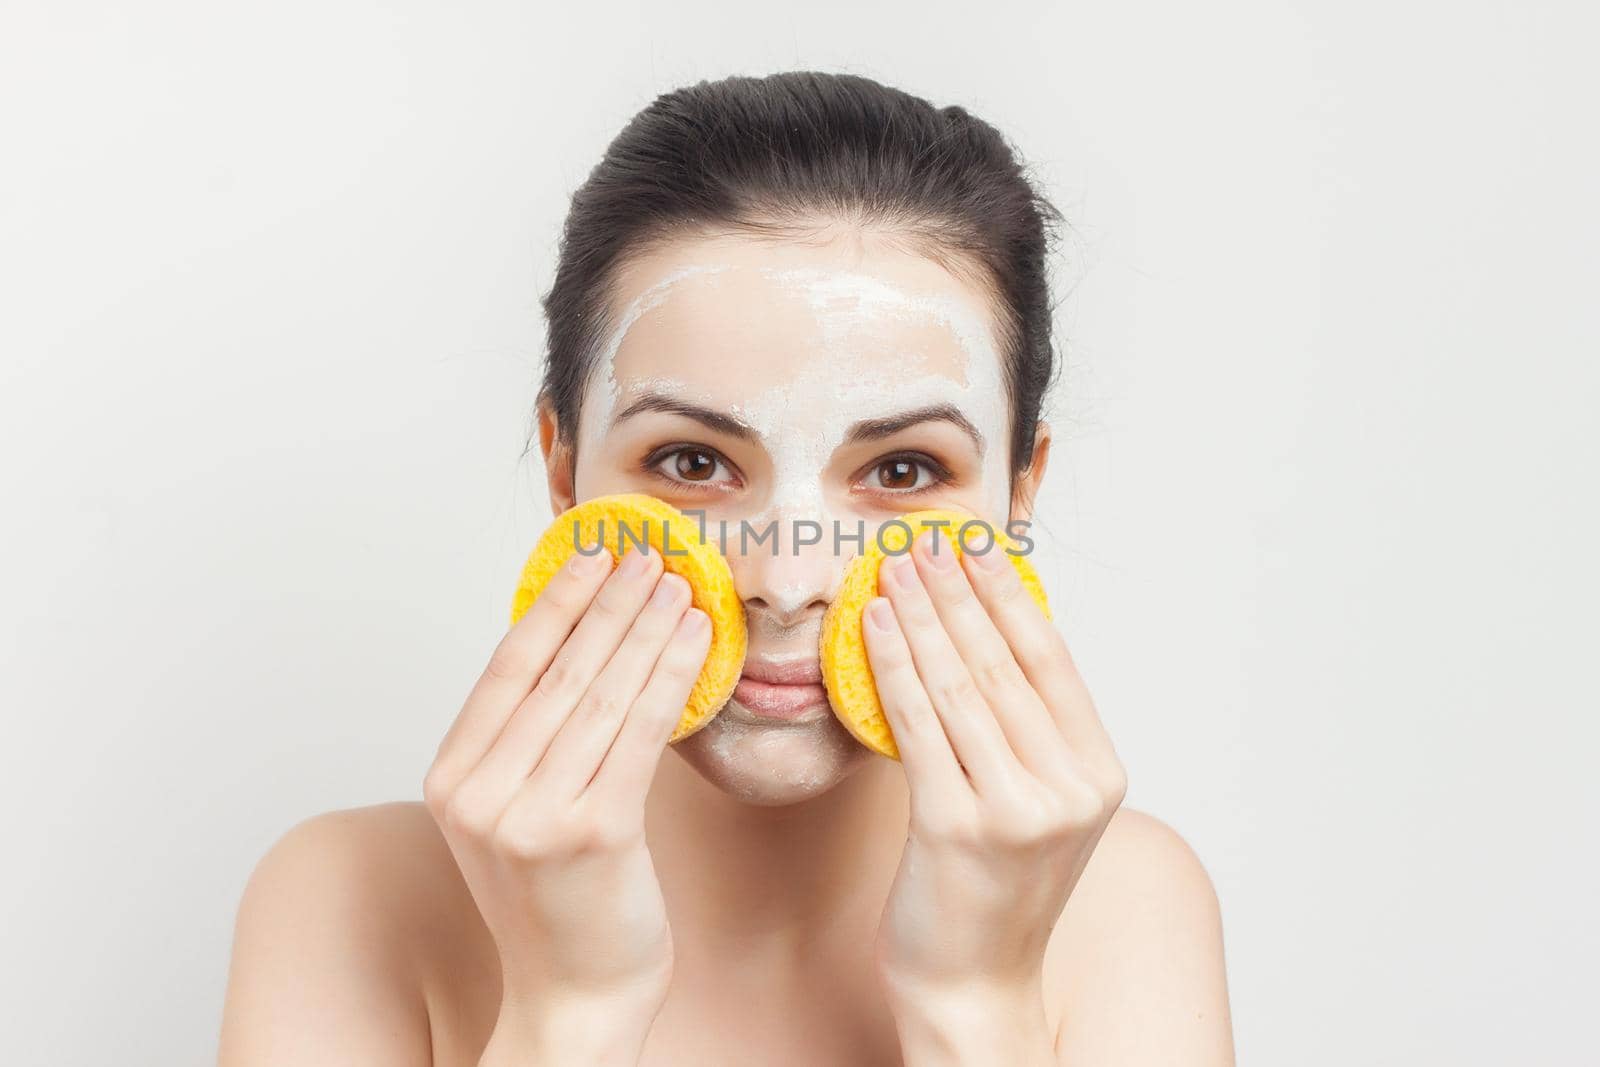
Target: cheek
point(996, 490)
point(602, 468)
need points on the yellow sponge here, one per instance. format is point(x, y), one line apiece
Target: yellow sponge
point(620, 522)
point(845, 671)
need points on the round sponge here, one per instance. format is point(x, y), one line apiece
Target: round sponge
point(845, 671)
point(621, 522)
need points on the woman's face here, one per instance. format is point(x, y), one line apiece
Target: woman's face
point(789, 390)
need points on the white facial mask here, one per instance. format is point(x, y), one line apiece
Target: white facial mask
point(843, 379)
point(602, 401)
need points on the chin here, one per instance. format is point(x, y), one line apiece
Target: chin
point(772, 761)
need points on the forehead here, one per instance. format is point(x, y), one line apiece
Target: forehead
point(729, 316)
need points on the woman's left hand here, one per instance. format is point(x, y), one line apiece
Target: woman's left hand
point(1012, 781)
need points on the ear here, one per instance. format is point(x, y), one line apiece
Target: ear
point(559, 461)
point(1028, 482)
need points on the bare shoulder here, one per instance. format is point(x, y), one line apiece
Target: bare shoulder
point(1140, 858)
point(391, 833)
point(1137, 956)
point(338, 930)
point(376, 865)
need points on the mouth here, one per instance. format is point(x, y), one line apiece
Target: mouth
point(791, 691)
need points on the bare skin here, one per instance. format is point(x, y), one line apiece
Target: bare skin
point(768, 890)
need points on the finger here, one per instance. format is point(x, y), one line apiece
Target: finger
point(975, 736)
point(580, 745)
point(518, 661)
point(1042, 654)
point(540, 716)
point(930, 763)
point(625, 774)
point(1022, 716)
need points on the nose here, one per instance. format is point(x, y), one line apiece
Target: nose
point(786, 579)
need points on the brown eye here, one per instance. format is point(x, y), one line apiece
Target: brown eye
point(695, 465)
point(684, 465)
point(897, 474)
point(907, 473)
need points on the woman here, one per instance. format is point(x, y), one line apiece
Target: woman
point(799, 298)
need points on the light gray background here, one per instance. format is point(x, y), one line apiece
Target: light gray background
point(1321, 518)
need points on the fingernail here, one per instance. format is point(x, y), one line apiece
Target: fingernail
point(668, 590)
point(695, 622)
point(904, 573)
point(940, 551)
point(591, 564)
point(633, 564)
point(880, 614)
point(991, 560)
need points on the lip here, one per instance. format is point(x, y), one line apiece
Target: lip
point(787, 691)
point(785, 672)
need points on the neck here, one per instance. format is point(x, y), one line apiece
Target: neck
point(779, 877)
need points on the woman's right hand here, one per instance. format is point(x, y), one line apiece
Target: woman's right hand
point(539, 790)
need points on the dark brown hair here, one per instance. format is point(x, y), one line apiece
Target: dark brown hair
point(783, 154)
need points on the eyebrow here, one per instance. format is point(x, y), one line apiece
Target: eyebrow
point(864, 430)
point(716, 420)
point(877, 429)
